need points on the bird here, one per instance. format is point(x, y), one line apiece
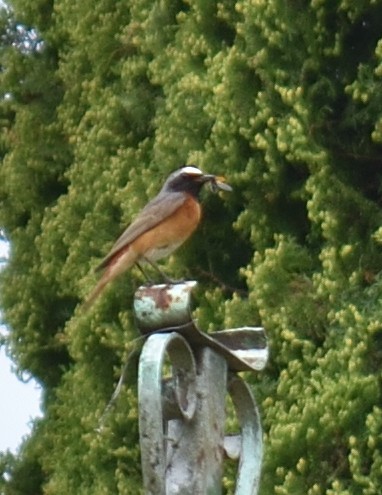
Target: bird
point(163, 225)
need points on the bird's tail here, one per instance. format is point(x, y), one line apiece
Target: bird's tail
point(95, 292)
point(122, 262)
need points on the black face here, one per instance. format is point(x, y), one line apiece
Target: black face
point(184, 180)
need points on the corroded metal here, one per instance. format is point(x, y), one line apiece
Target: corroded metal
point(184, 375)
point(162, 306)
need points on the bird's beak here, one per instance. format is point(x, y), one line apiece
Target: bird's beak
point(216, 182)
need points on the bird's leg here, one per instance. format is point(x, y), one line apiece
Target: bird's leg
point(167, 279)
point(149, 280)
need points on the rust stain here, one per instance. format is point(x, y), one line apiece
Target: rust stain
point(162, 298)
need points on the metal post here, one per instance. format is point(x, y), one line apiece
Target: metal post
point(196, 447)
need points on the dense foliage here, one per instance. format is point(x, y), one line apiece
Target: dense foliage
point(100, 101)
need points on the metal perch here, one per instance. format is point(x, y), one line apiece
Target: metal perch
point(184, 375)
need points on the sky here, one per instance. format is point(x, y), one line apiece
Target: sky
point(19, 403)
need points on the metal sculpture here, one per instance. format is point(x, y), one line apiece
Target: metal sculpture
point(184, 375)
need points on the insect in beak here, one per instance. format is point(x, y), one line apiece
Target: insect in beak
point(218, 183)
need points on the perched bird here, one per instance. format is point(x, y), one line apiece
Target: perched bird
point(161, 227)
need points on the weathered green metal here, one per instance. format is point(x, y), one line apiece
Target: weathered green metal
point(194, 461)
point(151, 419)
point(251, 441)
point(182, 384)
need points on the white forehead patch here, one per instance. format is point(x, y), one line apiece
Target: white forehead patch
point(191, 170)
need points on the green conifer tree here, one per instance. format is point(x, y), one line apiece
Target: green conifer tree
point(100, 101)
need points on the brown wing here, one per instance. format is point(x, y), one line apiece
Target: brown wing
point(159, 208)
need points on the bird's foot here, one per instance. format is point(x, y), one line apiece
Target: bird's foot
point(165, 279)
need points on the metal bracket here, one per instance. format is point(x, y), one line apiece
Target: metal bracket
point(184, 375)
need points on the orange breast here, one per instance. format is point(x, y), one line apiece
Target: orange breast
point(169, 234)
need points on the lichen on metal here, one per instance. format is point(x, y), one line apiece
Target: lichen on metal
point(184, 375)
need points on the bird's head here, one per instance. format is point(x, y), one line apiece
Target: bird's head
point(191, 179)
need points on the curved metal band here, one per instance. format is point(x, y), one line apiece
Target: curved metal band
point(152, 437)
point(251, 448)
